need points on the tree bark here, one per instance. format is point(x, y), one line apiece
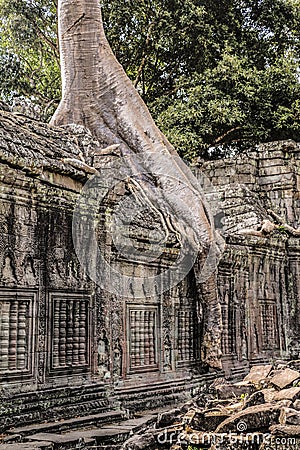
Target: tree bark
point(97, 93)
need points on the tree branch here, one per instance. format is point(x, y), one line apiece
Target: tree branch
point(293, 231)
point(223, 136)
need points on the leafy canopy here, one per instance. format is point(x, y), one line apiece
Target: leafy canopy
point(217, 76)
point(29, 57)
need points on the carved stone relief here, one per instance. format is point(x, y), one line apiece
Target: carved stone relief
point(269, 324)
point(142, 338)
point(69, 332)
point(117, 360)
point(103, 356)
point(17, 324)
point(9, 270)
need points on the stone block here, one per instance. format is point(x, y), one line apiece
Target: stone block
point(208, 421)
point(225, 391)
point(234, 407)
point(28, 446)
point(289, 416)
point(284, 378)
point(246, 179)
point(254, 418)
point(273, 170)
point(271, 162)
point(145, 441)
point(285, 430)
point(257, 398)
point(59, 439)
point(296, 405)
point(258, 373)
point(292, 394)
point(168, 418)
point(280, 180)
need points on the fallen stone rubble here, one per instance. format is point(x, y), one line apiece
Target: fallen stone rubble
point(260, 413)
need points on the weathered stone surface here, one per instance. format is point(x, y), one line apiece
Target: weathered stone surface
point(234, 407)
point(296, 405)
point(289, 416)
point(269, 394)
point(225, 391)
point(189, 415)
point(60, 439)
point(294, 364)
point(257, 398)
point(285, 430)
point(249, 427)
point(254, 418)
point(146, 441)
point(204, 400)
point(258, 373)
point(208, 420)
point(63, 425)
point(42, 172)
point(168, 418)
point(217, 403)
point(43, 287)
point(284, 403)
point(28, 446)
point(285, 378)
point(288, 394)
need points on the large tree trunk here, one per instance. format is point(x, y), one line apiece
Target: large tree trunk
point(97, 93)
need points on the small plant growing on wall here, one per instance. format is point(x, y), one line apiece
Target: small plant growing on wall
point(282, 229)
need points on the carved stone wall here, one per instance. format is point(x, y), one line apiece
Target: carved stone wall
point(66, 343)
point(259, 285)
point(69, 347)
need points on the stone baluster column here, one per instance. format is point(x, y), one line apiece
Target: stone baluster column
point(82, 332)
point(147, 338)
point(69, 335)
point(62, 333)
point(138, 338)
point(132, 331)
point(4, 336)
point(152, 350)
point(142, 338)
point(56, 324)
point(21, 340)
point(76, 334)
point(13, 335)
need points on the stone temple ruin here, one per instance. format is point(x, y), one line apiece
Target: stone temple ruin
point(69, 348)
point(258, 276)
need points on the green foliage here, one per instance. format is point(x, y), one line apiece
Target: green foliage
point(192, 447)
point(29, 61)
point(217, 76)
point(243, 397)
point(281, 229)
point(233, 106)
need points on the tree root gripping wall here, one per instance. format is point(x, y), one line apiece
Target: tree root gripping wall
point(69, 348)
